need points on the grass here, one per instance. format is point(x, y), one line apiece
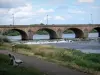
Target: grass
point(5, 46)
point(6, 69)
point(89, 63)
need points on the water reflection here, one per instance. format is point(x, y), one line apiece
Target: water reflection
point(91, 35)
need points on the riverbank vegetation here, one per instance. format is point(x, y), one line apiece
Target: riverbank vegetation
point(3, 39)
point(12, 33)
point(7, 69)
point(88, 63)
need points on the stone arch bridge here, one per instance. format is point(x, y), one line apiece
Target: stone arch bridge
point(55, 31)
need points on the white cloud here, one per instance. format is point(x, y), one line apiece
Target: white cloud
point(42, 10)
point(27, 11)
point(12, 3)
point(3, 11)
point(41, 21)
point(86, 1)
point(59, 18)
point(23, 13)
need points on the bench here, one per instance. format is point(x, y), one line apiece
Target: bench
point(14, 61)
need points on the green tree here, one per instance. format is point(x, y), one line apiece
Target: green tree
point(42, 24)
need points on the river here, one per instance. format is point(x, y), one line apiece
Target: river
point(85, 46)
point(91, 35)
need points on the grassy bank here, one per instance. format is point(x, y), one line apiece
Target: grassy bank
point(89, 63)
point(4, 41)
point(6, 69)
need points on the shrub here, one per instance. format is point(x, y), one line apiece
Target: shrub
point(93, 57)
point(4, 39)
point(83, 63)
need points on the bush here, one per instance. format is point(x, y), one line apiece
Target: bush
point(93, 57)
point(4, 39)
point(83, 63)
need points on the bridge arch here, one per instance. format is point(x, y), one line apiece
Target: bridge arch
point(97, 29)
point(78, 32)
point(52, 33)
point(23, 34)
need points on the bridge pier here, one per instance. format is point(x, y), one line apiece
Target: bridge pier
point(99, 34)
point(59, 34)
point(54, 36)
point(30, 35)
point(86, 33)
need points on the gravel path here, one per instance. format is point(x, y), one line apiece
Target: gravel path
point(44, 66)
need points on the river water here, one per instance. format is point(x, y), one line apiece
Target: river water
point(91, 35)
point(92, 46)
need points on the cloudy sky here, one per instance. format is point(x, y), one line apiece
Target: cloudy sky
point(58, 11)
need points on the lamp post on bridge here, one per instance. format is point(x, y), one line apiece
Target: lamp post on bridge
point(91, 19)
point(47, 19)
point(13, 19)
